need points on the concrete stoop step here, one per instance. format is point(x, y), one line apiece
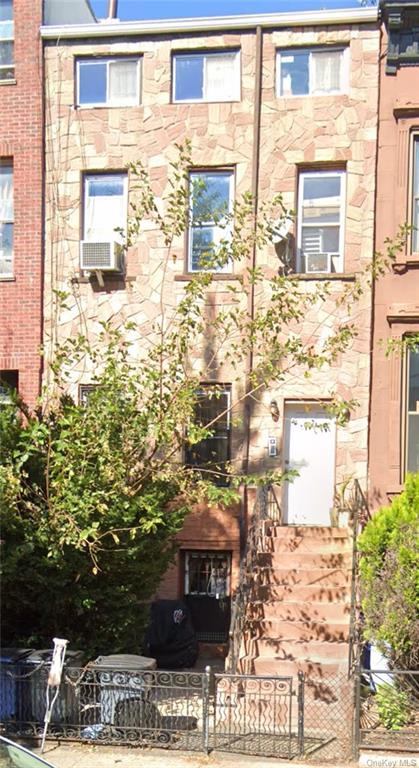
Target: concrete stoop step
point(299, 609)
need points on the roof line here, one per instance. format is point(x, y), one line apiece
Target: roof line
point(211, 23)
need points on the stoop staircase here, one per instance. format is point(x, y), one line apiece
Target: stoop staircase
point(296, 617)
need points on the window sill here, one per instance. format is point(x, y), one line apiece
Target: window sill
point(106, 106)
point(7, 279)
point(346, 276)
point(108, 277)
point(8, 82)
point(214, 276)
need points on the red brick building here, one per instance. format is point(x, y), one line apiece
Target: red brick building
point(21, 147)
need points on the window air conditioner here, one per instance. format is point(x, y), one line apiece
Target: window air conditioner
point(100, 257)
point(319, 262)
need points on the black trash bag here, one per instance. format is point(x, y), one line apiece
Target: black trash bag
point(170, 637)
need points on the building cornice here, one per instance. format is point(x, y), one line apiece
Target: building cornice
point(211, 24)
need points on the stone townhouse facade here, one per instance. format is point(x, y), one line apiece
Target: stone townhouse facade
point(21, 210)
point(285, 103)
point(394, 437)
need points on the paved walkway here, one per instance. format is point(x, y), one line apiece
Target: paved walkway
point(87, 756)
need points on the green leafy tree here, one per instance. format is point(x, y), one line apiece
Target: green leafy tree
point(389, 573)
point(92, 495)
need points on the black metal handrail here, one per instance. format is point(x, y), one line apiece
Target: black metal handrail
point(360, 514)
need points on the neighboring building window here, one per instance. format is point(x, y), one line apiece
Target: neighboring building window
point(213, 453)
point(321, 198)
point(207, 573)
point(108, 82)
point(9, 381)
point(6, 218)
point(415, 201)
point(211, 201)
point(105, 207)
point(85, 391)
point(412, 410)
point(303, 72)
point(7, 69)
point(206, 76)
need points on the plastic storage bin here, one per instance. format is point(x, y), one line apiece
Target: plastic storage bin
point(114, 685)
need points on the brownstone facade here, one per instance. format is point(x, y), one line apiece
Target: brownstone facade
point(394, 435)
point(21, 154)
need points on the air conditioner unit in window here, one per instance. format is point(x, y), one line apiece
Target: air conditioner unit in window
point(319, 262)
point(100, 256)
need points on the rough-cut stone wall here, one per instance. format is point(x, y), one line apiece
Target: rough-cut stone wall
point(299, 132)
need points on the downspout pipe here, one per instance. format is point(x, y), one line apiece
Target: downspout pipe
point(251, 295)
point(112, 9)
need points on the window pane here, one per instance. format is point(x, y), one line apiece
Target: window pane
point(105, 208)
point(413, 443)
point(189, 73)
point(210, 196)
point(92, 83)
point(415, 211)
point(6, 248)
point(221, 77)
point(123, 81)
point(6, 192)
point(6, 30)
point(326, 71)
point(294, 73)
point(413, 383)
point(202, 248)
point(6, 53)
point(320, 239)
point(321, 199)
point(6, 10)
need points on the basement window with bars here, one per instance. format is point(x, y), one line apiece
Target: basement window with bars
point(7, 67)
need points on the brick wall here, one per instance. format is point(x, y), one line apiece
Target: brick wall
point(21, 141)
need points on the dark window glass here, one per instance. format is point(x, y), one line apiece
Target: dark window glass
point(213, 453)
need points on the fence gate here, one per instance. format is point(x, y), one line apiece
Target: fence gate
point(258, 715)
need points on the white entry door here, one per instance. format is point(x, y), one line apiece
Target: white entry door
point(309, 447)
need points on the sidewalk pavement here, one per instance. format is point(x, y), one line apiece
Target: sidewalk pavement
point(89, 756)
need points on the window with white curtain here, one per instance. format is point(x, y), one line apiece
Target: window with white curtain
point(108, 82)
point(7, 69)
point(320, 234)
point(206, 76)
point(105, 207)
point(6, 217)
point(303, 71)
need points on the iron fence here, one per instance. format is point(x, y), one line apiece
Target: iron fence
point(388, 710)
point(276, 716)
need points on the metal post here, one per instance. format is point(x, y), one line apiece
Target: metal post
point(300, 736)
point(206, 684)
point(357, 711)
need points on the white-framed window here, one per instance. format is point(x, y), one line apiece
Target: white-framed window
point(209, 76)
point(320, 233)
point(6, 217)
point(411, 447)
point(311, 71)
point(113, 82)
point(105, 207)
point(213, 407)
point(7, 69)
point(211, 205)
point(415, 195)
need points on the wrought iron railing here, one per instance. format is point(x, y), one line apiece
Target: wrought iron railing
point(266, 510)
point(359, 514)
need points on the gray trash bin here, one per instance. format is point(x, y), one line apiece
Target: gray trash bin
point(118, 682)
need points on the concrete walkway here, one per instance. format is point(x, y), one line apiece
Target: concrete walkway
point(88, 756)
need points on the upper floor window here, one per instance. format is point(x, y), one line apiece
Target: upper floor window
point(7, 70)
point(211, 202)
point(320, 236)
point(206, 76)
point(108, 82)
point(303, 72)
point(415, 196)
point(412, 410)
point(6, 218)
point(212, 454)
point(105, 206)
